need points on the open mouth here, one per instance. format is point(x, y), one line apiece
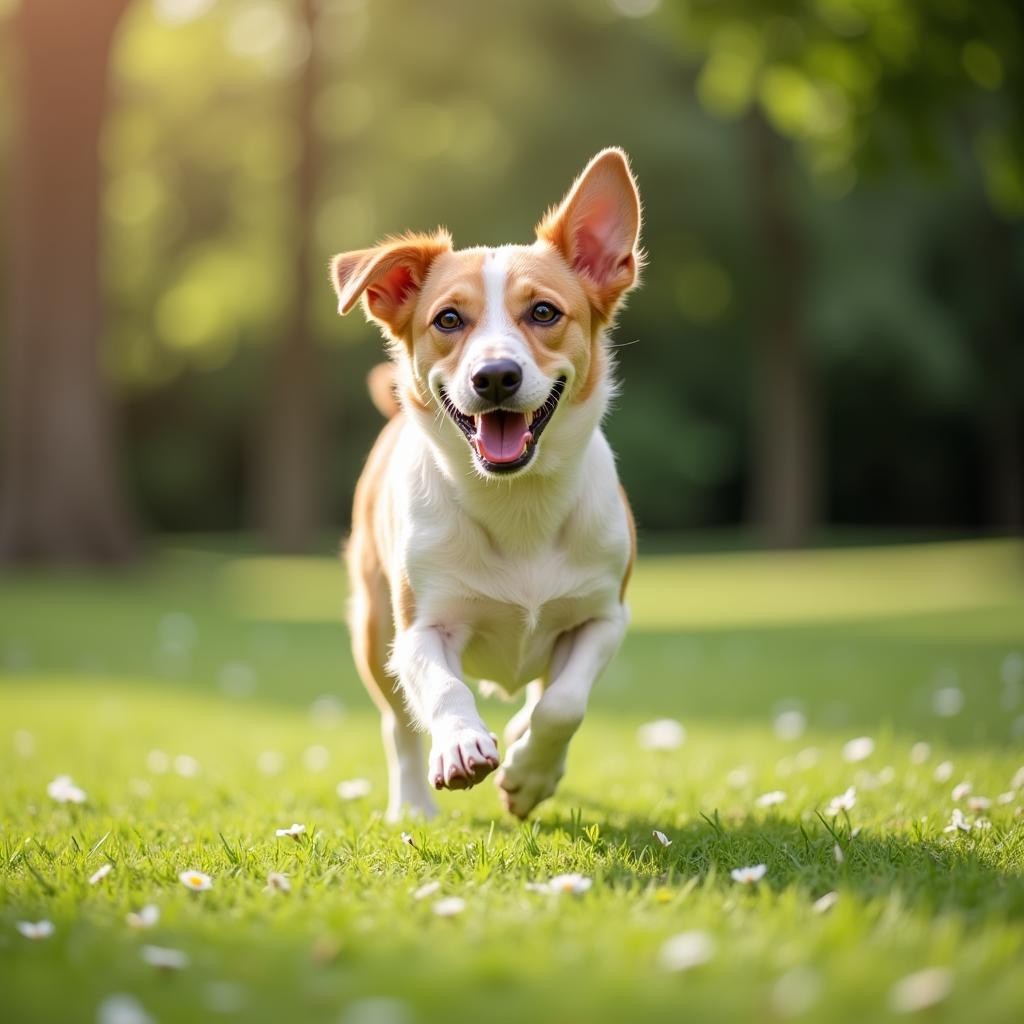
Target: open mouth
point(505, 440)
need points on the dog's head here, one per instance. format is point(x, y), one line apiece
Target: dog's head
point(500, 343)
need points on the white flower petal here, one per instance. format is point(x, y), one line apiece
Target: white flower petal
point(450, 906)
point(164, 958)
point(686, 950)
point(662, 838)
point(776, 796)
point(100, 873)
point(825, 903)
point(427, 889)
point(920, 990)
point(354, 789)
point(859, 749)
point(749, 875)
point(147, 917)
point(662, 734)
point(197, 881)
point(122, 1009)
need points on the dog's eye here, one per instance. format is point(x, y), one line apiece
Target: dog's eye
point(448, 320)
point(544, 313)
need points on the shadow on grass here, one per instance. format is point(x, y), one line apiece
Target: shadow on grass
point(964, 873)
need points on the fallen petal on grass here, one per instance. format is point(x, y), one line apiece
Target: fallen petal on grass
point(100, 873)
point(686, 950)
point(921, 990)
point(121, 1008)
point(661, 734)
point(749, 875)
point(354, 789)
point(450, 906)
point(164, 958)
point(147, 917)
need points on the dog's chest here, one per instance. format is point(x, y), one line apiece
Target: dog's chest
point(512, 616)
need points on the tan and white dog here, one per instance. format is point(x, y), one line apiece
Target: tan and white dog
point(490, 535)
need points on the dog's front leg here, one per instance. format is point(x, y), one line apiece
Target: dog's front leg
point(536, 761)
point(427, 660)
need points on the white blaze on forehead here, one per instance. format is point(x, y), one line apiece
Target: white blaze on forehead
point(496, 321)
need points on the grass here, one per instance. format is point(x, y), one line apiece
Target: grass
point(226, 657)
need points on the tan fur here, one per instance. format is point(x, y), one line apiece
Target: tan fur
point(453, 569)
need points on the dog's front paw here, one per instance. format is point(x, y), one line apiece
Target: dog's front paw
point(461, 756)
point(528, 776)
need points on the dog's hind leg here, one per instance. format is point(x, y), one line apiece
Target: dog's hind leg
point(520, 721)
point(372, 631)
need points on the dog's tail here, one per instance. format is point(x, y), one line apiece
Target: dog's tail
point(381, 384)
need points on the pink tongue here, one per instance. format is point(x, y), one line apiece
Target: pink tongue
point(502, 436)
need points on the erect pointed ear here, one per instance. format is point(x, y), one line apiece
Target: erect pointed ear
point(597, 229)
point(387, 277)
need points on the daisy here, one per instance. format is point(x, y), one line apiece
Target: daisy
point(960, 790)
point(1006, 798)
point(408, 839)
point(450, 906)
point(662, 838)
point(425, 890)
point(64, 791)
point(859, 749)
point(776, 796)
point(943, 771)
point(790, 725)
point(686, 950)
point(750, 875)
point(572, 883)
point(978, 803)
point(920, 990)
point(186, 766)
point(164, 958)
point(825, 903)
point(294, 832)
point(196, 881)
point(276, 882)
point(158, 762)
point(662, 734)
point(920, 752)
point(147, 917)
point(122, 1009)
point(100, 873)
point(354, 789)
point(35, 930)
point(844, 802)
point(957, 822)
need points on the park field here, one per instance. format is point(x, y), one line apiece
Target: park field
point(205, 701)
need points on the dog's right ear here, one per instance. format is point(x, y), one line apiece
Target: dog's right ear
point(387, 277)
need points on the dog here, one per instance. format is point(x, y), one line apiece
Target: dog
point(490, 535)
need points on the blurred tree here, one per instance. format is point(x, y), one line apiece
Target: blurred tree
point(856, 85)
point(288, 471)
point(60, 498)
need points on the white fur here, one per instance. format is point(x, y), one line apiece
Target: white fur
point(515, 579)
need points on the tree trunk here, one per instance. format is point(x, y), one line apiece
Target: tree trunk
point(998, 336)
point(59, 499)
point(288, 468)
point(785, 485)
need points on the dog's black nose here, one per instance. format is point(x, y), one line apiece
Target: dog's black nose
point(498, 380)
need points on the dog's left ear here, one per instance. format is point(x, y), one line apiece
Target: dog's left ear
point(596, 228)
point(387, 277)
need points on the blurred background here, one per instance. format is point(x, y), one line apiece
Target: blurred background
point(828, 343)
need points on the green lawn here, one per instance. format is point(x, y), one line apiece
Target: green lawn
point(240, 664)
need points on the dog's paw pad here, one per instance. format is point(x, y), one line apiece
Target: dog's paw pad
point(460, 758)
